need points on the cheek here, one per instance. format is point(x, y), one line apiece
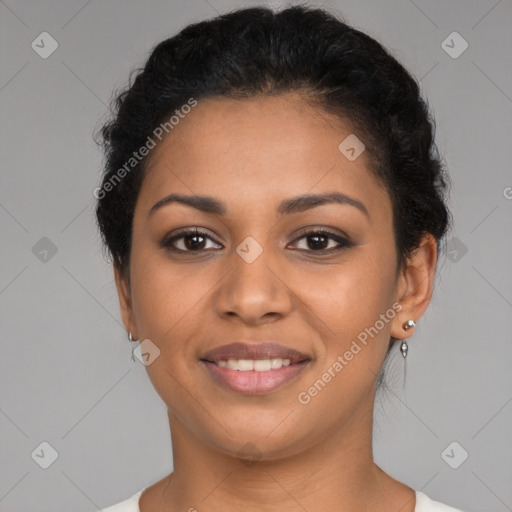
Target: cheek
point(166, 296)
point(348, 296)
point(350, 308)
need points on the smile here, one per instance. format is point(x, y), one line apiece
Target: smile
point(254, 376)
point(258, 365)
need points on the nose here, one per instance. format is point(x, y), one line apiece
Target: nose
point(254, 292)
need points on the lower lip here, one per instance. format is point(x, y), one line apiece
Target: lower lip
point(252, 382)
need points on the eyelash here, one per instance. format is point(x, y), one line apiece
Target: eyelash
point(343, 242)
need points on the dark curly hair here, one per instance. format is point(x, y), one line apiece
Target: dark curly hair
point(257, 51)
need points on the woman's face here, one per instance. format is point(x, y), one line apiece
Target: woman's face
point(257, 276)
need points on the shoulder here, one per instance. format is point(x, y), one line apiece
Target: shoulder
point(425, 504)
point(129, 505)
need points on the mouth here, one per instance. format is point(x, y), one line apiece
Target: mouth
point(254, 369)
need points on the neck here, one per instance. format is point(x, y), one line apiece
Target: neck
point(338, 472)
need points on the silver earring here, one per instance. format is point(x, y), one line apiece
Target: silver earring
point(130, 338)
point(404, 348)
point(409, 324)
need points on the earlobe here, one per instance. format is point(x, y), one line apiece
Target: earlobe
point(416, 283)
point(125, 301)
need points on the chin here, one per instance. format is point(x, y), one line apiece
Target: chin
point(264, 444)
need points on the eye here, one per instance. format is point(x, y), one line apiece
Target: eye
point(189, 241)
point(196, 241)
point(318, 241)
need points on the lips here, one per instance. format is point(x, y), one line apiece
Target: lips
point(239, 350)
point(254, 369)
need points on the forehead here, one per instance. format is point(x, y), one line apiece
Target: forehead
point(249, 150)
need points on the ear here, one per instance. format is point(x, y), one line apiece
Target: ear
point(415, 286)
point(125, 301)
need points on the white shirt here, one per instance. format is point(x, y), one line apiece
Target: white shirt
point(423, 504)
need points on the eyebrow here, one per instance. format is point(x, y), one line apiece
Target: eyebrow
point(297, 204)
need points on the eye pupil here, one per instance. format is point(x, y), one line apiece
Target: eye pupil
point(193, 245)
point(317, 245)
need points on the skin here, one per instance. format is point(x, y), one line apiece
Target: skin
point(251, 155)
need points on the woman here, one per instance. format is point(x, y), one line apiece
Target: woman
point(274, 207)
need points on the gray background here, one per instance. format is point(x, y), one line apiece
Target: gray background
point(65, 371)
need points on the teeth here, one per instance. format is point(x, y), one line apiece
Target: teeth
point(258, 365)
point(262, 365)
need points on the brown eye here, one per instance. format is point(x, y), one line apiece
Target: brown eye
point(319, 240)
point(189, 241)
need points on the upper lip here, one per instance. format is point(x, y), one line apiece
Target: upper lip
point(240, 350)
